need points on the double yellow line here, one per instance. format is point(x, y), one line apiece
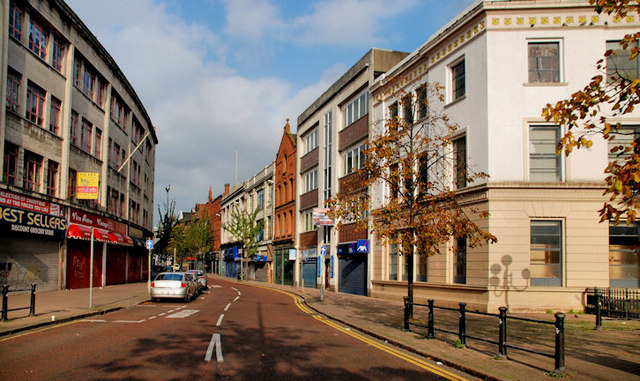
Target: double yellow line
point(392, 351)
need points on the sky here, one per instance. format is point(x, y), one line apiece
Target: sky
point(220, 77)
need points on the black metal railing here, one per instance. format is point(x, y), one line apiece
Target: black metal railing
point(5, 302)
point(502, 342)
point(621, 303)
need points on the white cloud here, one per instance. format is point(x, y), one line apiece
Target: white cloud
point(251, 19)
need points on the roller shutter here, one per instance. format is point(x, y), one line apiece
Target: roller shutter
point(309, 274)
point(353, 275)
point(25, 260)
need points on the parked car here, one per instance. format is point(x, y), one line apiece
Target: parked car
point(201, 278)
point(174, 285)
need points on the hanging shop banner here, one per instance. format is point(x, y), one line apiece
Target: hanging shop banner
point(321, 217)
point(28, 215)
point(87, 188)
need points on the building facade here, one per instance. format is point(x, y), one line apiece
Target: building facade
point(284, 210)
point(70, 114)
point(331, 139)
point(542, 207)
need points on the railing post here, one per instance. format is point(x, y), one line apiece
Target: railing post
point(559, 355)
point(32, 305)
point(502, 340)
point(626, 303)
point(5, 291)
point(406, 313)
point(430, 324)
point(598, 310)
point(462, 325)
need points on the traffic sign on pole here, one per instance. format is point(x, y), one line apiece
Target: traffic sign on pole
point(149, 244)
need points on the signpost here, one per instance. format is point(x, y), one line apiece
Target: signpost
point(323, 252)
point(149, 245)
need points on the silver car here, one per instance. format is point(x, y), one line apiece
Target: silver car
point(174, 285)
point(201, 278)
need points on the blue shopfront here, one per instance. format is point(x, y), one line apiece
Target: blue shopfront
point(352, 267)
point(232, 257)
point(310, 268)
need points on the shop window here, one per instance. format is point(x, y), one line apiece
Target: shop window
point(546, 253)
point(624, 262)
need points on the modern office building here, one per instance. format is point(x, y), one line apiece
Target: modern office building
point(78, 155)
point(331, 138)
point(500, 63)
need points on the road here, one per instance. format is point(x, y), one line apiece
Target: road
point(232, 331)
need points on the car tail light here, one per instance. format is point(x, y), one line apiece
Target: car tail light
point(153, 284)
point(182, 285)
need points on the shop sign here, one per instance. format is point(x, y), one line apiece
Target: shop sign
point(87, 186)
point(362, 246)
point(321, 217)
point(346, 248)
point(28, 215)
point(292, 254)
point(77, 216)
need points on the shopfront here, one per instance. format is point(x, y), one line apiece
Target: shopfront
point(352, 267)
point(310, 268)
point(284, 259)
point(31, 237)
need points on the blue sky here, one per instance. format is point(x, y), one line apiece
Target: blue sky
point(220, 76)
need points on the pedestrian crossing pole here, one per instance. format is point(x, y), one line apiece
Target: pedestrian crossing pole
point(91, 271)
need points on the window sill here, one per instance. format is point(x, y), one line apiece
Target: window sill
point(455, 101)
point(545, 84)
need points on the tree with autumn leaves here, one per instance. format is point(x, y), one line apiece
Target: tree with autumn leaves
point(416, 162)
point(591, 111)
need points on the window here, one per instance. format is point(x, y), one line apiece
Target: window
point(407, 109)
point(77, 65)
point(35, 103)
point(74, 128)
point(119, 112)
point(421, 95)
point(97, 146)
point(544, 62)
point(394, 186)
point(356, 109)
point(460, 155)
point(88, 82)
point(135, 173)
point(620, 66)
point(57, 52)
point(15, 21)
point(393, 117)
point(85, 135)
point(102, 88)
point(307, 221)
point(32, 171)
point(52, 178)
point(624, 262)
point(311, 141)
point(546, 253)
point(311, 180)
point(423, 266)
point(624, 136)
point(38, 40)
point(354, 159)
point(112, 201)
point(544, 163)
point(10, 167)
point(458, 80)
point(13, 87)
point(393, 261)
point(423, 174)
point(260, 199)
point(328, 131)
point(55, 113)
point(147, 152)
point(460, 266)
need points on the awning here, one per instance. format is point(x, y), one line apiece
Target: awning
point(120, 239)
point(84, 232)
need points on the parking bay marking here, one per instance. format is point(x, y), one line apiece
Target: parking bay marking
point(214, 343)
point(182, 314)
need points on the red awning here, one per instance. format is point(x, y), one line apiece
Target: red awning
point(120, 239)
point(84, 232)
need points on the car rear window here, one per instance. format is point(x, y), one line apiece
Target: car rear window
point(169, 277)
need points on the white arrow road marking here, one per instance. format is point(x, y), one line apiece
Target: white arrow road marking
point(215, 343)
point(182, 314)
point(219, 320)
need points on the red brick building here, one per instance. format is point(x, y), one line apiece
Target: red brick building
point(285, 202)
point(212, 209)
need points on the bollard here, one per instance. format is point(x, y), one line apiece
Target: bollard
point(502, 338)
point(598, 310)
point(406, 313)
point(559, 355)
point(462, 325)
point(430, 325)
point(5, 292)
point(32, 305)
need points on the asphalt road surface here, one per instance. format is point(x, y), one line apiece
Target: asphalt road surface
point(232, 331)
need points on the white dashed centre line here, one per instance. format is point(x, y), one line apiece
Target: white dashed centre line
point(236, 299)
point(227, 307)
point(220, 320)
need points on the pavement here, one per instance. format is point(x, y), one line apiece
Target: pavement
point(612, 353)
